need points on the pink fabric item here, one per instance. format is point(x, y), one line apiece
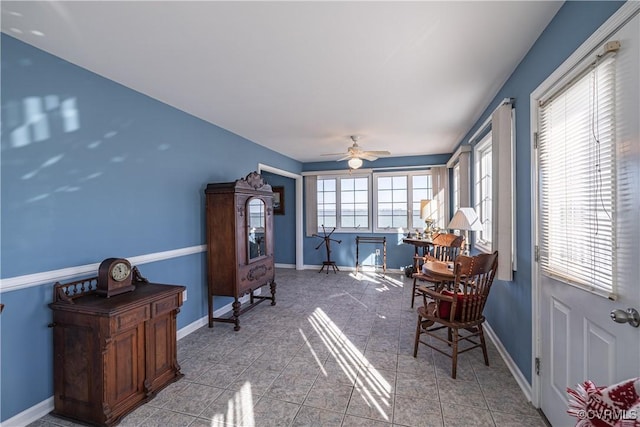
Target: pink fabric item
point(611, 406)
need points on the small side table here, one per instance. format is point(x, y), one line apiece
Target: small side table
point(373, 240)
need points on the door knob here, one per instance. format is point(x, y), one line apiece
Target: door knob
point(630, 316)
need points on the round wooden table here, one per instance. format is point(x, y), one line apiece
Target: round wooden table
point(439, 270)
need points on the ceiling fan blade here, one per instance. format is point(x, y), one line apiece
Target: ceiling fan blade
point(378, 153)
point(356, 152)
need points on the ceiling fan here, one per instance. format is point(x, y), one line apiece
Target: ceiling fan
point(355, 154)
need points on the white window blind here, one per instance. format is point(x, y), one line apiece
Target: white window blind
point(576, 149)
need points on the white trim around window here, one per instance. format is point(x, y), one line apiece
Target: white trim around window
point(417, 186)
point(456, 187)
point(344, 198)
point(483, 159)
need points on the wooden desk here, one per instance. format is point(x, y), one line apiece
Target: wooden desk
point(425, 244)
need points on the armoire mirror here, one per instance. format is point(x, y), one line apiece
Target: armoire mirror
point(255, 228)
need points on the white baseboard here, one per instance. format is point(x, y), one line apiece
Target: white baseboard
point(30, 415)
point(278, 265)
point(513, 368)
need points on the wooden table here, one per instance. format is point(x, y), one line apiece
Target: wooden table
point(419, 243)
point(425, 244)
point(439, 270)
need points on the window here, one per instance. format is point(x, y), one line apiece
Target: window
point(327, 197)
point(354, 203)
point(398, 197)
point(392, 202)
point(345, 202)
point(351, 195)
point(456, 188)
point(483, 157)
point(577, 163)
point(421, 189)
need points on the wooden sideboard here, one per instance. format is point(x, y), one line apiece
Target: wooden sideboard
point(112, 354)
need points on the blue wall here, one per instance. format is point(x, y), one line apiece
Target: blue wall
point(509, 307)
point(284, 226)
point(91, 169)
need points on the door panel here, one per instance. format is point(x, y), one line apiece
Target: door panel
point(560, 348)
point(599, 354)
point(578, 341)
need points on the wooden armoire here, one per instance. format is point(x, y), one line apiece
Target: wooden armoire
point(239, 243)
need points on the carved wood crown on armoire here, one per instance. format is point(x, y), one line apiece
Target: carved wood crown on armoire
point(239, 243)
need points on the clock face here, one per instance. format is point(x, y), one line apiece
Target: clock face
point(120, 271)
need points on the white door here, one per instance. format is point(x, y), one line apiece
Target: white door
point(577, 339)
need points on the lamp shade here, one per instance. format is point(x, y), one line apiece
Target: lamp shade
point(354, 162)
point(465, 219)
point(425, 211)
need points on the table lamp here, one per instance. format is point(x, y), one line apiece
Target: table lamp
point(466, 220)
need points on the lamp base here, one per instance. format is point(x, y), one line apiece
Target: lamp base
point(466, 244)
point(428, 229)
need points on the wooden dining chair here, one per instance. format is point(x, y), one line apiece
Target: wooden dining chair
point(460, 310)
point(446, 247)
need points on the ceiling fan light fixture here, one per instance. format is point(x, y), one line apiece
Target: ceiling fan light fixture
point(354, 163)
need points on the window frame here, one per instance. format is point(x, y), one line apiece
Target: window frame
point(455, 188)
point(480, 202)
point(409, 202)
point(372, 200)
point(338, 178)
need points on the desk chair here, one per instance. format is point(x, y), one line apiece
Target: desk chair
point(460, 311)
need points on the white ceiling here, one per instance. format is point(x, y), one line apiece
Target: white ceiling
point(300, 77)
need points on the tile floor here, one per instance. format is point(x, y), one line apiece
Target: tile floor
point(335, 351)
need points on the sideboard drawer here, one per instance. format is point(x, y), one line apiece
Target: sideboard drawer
point(165, 305)
point(130, 319)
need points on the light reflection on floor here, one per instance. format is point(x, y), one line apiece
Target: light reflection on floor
point(239, 410)
point(373, 388)
point(385, 282)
